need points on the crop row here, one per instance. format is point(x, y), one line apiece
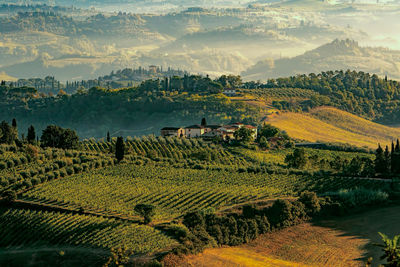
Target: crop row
point(19, 227)
point(176, 191)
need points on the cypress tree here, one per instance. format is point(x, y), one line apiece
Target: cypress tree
point(15, 127)
point(203, 122)
point(14, 123)
point(31, 135)
point(108, 137)
point(120, 149)
point(387, 161)
point(392, 159)
point(396, 160)
point(379, 161)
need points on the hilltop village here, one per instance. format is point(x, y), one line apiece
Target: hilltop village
point(209, 132)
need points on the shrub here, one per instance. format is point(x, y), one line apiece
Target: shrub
point(27, 183)
point(9, 195)
point(35, 181)
point(4, 182)
point(280, 213)
point(311, 202)
point(70, 170)
point(3, 165)
point(147, 211)
point(359, 197)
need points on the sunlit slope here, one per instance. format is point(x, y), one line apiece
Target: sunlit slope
point(237, 256)
point(5, 77)
point(340, 242)
point(327, 124)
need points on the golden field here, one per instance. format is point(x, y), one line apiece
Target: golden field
point(346, 241)
point(328, 124)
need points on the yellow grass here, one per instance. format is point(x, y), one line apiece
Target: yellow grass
point(236, 256)
point(327, 124)
point(5, 77)
point(346, 241)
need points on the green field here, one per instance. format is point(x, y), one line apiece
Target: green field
point(176, 191)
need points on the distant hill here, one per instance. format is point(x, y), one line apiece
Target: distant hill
point(5, 77)
point(327, 124)
point(339, 54)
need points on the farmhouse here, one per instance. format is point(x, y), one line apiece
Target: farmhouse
point(194, 131)
point(172, 131)
point(226, 132)
point(229, 92)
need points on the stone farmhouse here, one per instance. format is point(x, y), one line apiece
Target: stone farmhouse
point(226, 132)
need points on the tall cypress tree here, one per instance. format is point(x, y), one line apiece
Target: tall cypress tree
point(392, 159)
point(379, 161)
point(108, 137)
point(387, 161)
point(15, 127)
point(120, 149)
point(396, 160)
point(31, 135)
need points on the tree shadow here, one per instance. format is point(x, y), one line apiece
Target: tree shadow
point(365, 226)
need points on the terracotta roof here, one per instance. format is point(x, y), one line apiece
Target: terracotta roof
point(250, 127)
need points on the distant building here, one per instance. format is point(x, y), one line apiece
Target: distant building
point(229, 92)
point(172, 131)
point(209, 132)
point(153, 69)
point(194, 131)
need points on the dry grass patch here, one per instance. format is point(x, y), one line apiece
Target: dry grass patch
point(327, 124)
point(346, 241)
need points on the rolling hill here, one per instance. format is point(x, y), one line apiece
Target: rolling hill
point(339, 54)
point(327, 124)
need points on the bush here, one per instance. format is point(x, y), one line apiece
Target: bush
point(3, 165)
point(35, 181)
point(27, 183)
point(9, 195)
point(311, 202)
point(147, 211)
point(359, 197)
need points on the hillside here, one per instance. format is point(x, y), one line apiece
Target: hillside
point(339, 54)
point(340, 242)
point(327, 124)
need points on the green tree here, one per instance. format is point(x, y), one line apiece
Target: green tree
point(119, 257)
point(311, 202)
point(55, 136)
point(147, 211)
point(380, 161)
point(120, 149)
point(108, 137)
point(267, 131)
point(31, 136)
point(298, 159)
point(243, 134)
point(263, 142)
point(8, 133)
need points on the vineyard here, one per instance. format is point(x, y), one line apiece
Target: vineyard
point(19, 227)
point(85, 198)
point(175, 191)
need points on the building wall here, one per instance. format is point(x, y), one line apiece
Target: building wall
point(194, 132)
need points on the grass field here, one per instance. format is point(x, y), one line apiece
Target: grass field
point(344, 241)
point(327, 124)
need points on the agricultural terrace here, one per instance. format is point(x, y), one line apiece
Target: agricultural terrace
point(175, 191)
